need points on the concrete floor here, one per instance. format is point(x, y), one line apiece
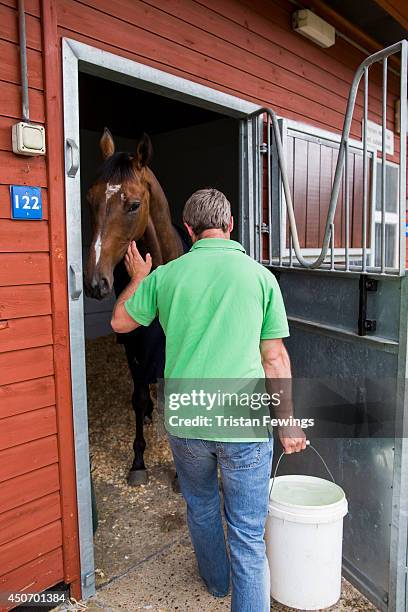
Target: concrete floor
point(143, 556)
point(168, 582)
point(159, 573)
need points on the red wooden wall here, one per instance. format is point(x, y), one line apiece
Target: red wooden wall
point(30, 511)
point(35, 420)
point(246, 48)
point(311, 185)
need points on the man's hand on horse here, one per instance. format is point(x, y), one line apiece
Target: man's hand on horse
point(138, 269)
point(136, 266)
point(293, 439)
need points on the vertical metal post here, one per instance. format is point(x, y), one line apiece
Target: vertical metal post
point(364, 262)
point(260, 130)
point(25, 106)
point(347, 201)
point(269, 187)
point(244, 162)
point(290, 249)
point(251, 163)
point(384, 161)
point(399, 525)
point(402, 200)
point(255, 187)
point(76, 325)
point(281, 192)
point(257, 156)
point(332, 246)
point(373, 204)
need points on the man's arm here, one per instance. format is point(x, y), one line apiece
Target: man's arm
point(137, 269)
point(276, 365)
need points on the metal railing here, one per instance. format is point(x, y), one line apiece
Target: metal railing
point(329, 254)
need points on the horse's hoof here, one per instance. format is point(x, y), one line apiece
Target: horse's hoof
point(137, 478)
point(176, 485)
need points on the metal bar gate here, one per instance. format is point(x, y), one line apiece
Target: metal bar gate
point(270, 215)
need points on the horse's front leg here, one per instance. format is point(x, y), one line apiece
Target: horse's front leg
point(140, 400)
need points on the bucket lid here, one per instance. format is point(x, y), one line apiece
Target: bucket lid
point(307, 499)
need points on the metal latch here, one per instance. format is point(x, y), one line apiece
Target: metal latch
point(72, 157)
point(263, 147)
point(365, 325)
point(75, 281)
point(88, 579)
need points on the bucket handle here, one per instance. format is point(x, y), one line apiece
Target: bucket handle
point(317, 453)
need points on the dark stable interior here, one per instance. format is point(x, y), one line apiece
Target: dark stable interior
point(192, 148)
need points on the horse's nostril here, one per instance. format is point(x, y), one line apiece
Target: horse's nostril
point(97, 287)
point(104, 286)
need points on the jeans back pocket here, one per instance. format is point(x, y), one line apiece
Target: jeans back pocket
point(240, 455)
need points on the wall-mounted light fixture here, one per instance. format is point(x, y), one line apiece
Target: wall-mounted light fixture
point(314, 28)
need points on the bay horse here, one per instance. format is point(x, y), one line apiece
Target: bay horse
point(128, 203)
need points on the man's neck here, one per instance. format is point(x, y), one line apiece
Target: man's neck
point(213, 233)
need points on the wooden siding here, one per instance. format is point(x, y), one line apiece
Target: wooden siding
point(32, 520)
point(249, 50)
point(245, 48)
point(40, 573)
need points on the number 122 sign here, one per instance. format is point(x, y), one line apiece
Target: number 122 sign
point(26, 202)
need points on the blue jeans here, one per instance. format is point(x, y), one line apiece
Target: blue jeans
point(245, 471)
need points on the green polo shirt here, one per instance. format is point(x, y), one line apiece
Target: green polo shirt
point(215, 304)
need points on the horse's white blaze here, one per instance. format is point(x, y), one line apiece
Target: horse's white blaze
point(98, 244)
point(111, 190)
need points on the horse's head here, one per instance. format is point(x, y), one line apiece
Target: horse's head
point(119, 202)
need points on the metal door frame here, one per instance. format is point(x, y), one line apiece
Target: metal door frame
point(79, 57)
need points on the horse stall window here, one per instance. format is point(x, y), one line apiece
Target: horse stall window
point(311, 157)
point(192, 148)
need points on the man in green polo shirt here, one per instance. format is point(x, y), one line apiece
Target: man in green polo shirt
point(224, 320)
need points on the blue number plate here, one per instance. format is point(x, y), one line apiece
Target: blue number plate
point(26, 202)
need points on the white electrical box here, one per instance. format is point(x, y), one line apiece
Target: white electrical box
point(314, 28)
point(28, 138)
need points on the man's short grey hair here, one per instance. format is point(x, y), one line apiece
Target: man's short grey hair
point(207, 209)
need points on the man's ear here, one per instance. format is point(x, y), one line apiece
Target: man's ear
point(190, 231)
point(144, 151)
point(106, 144)
point(231, 224)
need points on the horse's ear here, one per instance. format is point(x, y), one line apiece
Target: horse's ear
point(144, 151)
point(106, 144)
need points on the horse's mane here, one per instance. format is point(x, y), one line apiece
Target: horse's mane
point(117, 168)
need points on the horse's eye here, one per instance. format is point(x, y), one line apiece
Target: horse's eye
point(134, 206)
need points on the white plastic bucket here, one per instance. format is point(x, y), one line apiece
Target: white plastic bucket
point(303, 533)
